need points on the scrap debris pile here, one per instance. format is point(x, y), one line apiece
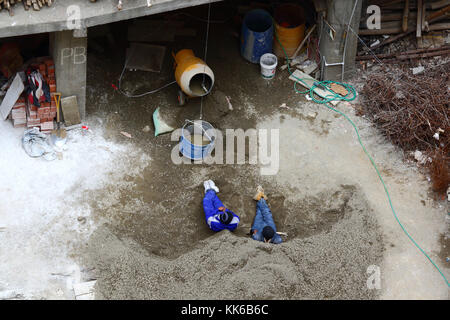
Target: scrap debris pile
point(38, 4)
point(412, 110)
point(404, 23)
point(27, 4)
point(410, 105)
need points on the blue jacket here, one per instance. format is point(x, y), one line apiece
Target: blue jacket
point(211, 205)
point(264, 218)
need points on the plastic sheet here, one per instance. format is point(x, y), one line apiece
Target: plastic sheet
point(35, 144)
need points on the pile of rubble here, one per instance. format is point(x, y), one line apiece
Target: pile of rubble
point(27, 4)
point(408, 30)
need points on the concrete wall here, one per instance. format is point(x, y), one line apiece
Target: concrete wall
point(70, 56)
point(338, 16)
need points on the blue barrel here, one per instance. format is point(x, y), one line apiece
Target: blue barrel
point(256, 35)
point(201, 129)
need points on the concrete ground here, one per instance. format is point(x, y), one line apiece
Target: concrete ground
point(117, 209)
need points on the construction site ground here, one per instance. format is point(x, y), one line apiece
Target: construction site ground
point(116, 209)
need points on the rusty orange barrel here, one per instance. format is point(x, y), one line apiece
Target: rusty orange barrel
point(193, 76)
point(290, 28)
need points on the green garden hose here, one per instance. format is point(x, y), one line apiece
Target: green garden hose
point(351, 95)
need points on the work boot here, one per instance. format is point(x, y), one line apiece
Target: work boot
point(259, 194)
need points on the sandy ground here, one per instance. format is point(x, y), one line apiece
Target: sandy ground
point(403, 266)
point(142, 233)
point(44, 211)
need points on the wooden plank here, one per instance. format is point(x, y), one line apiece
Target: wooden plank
point(424, 14)
point(439, 4)
point(311, 30)
point(388, 40)
point(419, 19)
point(13, 93)
point(396, 54)
point(437, 14)
point(439, 26)
point(405, 16)
point(308, 83)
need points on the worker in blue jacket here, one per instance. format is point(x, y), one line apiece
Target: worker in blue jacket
point(263, 228)
point(217, 216)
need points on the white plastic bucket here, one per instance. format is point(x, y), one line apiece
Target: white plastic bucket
point(268, 64)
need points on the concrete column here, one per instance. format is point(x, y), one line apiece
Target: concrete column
point(338, 16)
point(69, 51)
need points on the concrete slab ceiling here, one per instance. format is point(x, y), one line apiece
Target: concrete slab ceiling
point(60, 16)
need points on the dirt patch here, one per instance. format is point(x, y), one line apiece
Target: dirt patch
point(315, 214)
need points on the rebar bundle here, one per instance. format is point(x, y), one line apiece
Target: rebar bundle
point(413, 112)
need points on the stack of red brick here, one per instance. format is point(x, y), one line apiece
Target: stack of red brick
point(42, 117)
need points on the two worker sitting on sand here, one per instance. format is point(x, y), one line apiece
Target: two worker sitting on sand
point(218, 217)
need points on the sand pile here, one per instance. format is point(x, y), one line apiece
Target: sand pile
point(330, 265)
